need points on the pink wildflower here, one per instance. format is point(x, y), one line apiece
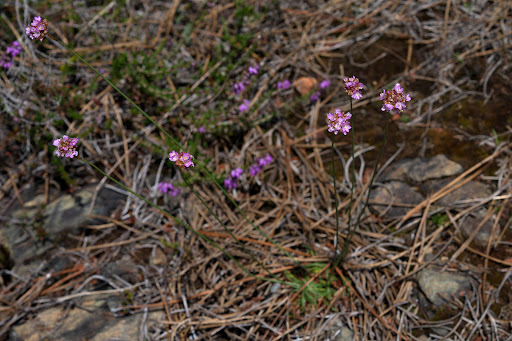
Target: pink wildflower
point(66, 147)
point(5, 62)
point(253, 70)
point(38, 29)
point(325, 84)
point(314, 97)
point(394, 99)
point(202, 129)
point(262, 162)
point(283, 85)
point(230, 183)
point(353, 87)
point(339, 121)
point(254, 169)
point(14, 50)
point(166, 187)
point(244, 106)
point(236, 173)
point(181, 159)
point(238, 87)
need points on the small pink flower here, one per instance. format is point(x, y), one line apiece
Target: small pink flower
point(253, 70)
point(66, 147)
point(283, 85)
point(238, 87)
point(166, 187)
point(314, 97)
point(353, 87)
point(244, 106)
point(38, 29)
point(236, 173)
point(325, 84)
point(14, 50)
point(339, 121)
point(202, 129)
point(230, 183)
point(254, 169)
point(394, 99)
point(181, 159)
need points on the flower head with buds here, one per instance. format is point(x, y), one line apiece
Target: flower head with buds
point(353, 87)
point(339, 121)
point(38, 29)
point(66, 147)
point(325, 84)
point(182, 160)
point(394, 99)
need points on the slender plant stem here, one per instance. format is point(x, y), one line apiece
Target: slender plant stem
point(178, 145)
point(335, 199)
point(226, 228)
point(349, 237)
point(181, 222)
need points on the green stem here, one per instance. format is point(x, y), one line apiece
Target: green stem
point(177, 144)
point(349, 238)
point(179, 221)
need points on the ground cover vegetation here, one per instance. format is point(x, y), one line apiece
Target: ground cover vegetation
point(250, 140)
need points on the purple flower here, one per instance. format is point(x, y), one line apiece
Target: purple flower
point(253, 70)
point(6, 62)
point(339, 121)
point(236, 173)
point(262, 162)
point(202, 129)
point(14, 50)
point(283, 85)
point(166, 187)
point(254, 169)
point(325, 84)
point(353, 87)
point(230, 183)
point(38, 29)
point(238, 87)
point(394, 99)
point(314, 97)
point(66, 147)
point(244, 106)
point(181, 159)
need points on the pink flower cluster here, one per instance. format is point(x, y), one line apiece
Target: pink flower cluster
point(283, 85)
point(260, 163)
point(166, 187)
point(353, 87)
point(182, 160)
point(11, 52)
point(394, 99)
point(231, 182)
point(339, 121)
point(66, 147)
point(240, 86)
point(38, 29)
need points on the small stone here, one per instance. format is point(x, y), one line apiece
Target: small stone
point(394, 193)
point(435, 284)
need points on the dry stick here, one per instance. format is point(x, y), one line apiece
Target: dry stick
point(488, 250)
point(448, 187)
point(370, 309)
point(166, 307)
point(123, 134)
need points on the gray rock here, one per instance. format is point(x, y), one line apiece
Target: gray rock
point(87, 322)
point(27, 242)
point(471, 190)
point(419, 170)
point(470, 224)
point(436, 284)
point(394, 193)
